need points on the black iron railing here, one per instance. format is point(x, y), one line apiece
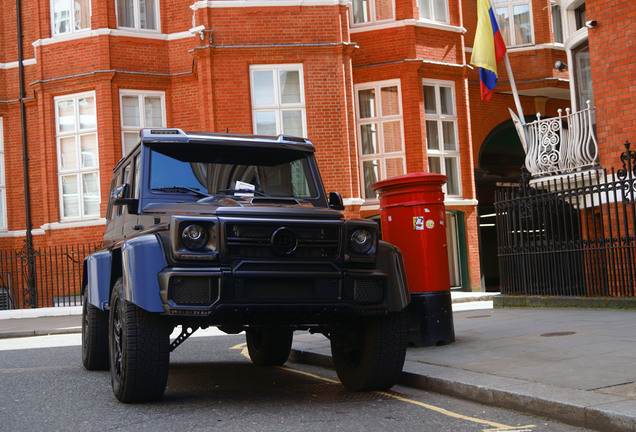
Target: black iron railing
point(57, 275)
point(571, 236)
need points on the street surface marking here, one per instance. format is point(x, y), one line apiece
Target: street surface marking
point(494, 426)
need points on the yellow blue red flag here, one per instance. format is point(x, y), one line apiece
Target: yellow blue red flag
point(488, 48)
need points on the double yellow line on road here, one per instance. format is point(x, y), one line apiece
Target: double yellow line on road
point(493, 426)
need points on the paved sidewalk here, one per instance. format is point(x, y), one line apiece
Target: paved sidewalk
point(574, 365)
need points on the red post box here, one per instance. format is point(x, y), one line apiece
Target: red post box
point(414, 219)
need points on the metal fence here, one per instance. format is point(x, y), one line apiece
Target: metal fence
point(47, 277)
point(572, 236)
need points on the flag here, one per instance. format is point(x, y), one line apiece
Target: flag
point(488, 48)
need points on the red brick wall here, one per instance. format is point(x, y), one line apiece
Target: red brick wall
point(613, 75)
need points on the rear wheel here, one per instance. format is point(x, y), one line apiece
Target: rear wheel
point(269, 346)
point(369, 354)
point(94, 335)
point(139, 343)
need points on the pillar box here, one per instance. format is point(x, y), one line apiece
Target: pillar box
point(414, 219)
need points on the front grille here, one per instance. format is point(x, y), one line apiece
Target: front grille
point(193, 290)
point(254, 240)
point(368, 291)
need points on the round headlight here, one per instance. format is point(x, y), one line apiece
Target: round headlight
point(194, 237)
point(361, 241)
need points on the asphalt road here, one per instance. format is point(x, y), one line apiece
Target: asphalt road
point(213, 386)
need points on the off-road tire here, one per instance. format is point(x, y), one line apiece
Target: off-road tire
point(94, 335)
point(369, 354)
point(139, 343)
point(269, 346)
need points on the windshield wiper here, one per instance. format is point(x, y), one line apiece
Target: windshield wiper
point(182, 189)
point(245, 192)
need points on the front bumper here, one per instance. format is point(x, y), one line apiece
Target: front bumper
point(265, 293)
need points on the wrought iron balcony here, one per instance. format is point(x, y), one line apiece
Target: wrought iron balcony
point(559, 145)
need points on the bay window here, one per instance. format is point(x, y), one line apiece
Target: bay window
point(380, 133)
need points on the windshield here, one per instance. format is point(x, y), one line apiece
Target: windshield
point(233, 174)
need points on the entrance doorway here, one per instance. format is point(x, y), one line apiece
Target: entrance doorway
point(500, 161)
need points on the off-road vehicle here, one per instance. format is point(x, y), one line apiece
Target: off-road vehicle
point(236, 232)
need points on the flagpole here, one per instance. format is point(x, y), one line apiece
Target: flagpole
point(511, 78)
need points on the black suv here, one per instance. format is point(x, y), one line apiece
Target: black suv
point(236, 232)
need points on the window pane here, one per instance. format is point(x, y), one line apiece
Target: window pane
point(130, 141)
point(425, 8)
point(68, 156)
point(383, 9)
point(70, 197)
point(87, 116)
point(370, 174)
point(90, 189)
point(522, 24)
point(3, 210)
point(503, 19)
point(88, 145)
point(154, 114)
point(66, 116)
point(452, 183)
point(446, 100)
point(265, 122)
point(148, 14)
point(366, 102)
point(434, 165)
point(82, 14)
point(130, 111)
point(263, 87)
point(557, 27)
point(394, 167)
point(390, 101)
point(430, 105)
point(293, 122)
point(62, 16)
point(369, 138)
point(289, 87)
point(450, 140)
point(432, 135)
point(440, 11)
point(360, 11)
point(125, 13)
point(392, 133)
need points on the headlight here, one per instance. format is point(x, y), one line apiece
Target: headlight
point(362, 241)
point(194, 237)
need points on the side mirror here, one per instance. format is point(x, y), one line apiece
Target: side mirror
point(335, 201)
point(120, 197)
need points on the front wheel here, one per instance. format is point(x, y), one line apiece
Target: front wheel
point(269, 346)
point(369, 354)
point(139, 343)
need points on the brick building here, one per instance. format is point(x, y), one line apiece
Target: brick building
point(381, 87)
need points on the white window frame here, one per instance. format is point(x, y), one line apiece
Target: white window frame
point(278, 106)
point(137, 17)
point(77, 133)
point(432, 8)
point(54, 31)
point(371, 18)
point(381, 156)
point(510, 4)
point(3, 184)
point(440, 118)
point(143, 118)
